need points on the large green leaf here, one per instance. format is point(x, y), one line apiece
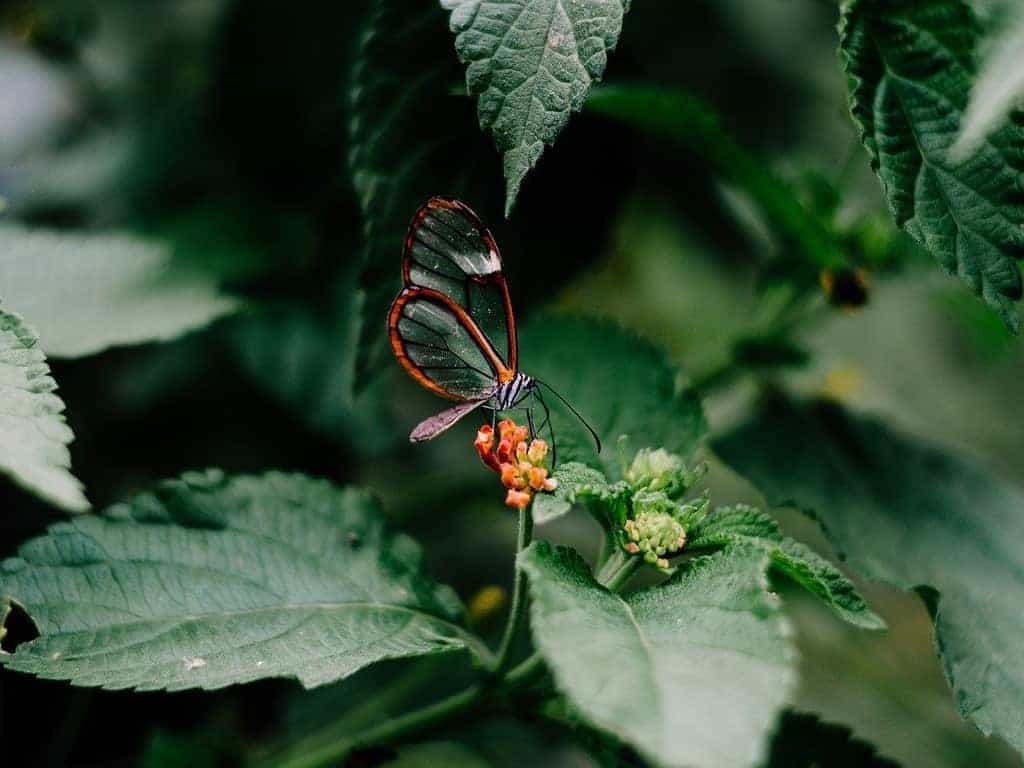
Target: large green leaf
point(910, 65)
point(34, 436)
point(744, 525)
point(691, 672)
point(531, 62)
point(213, 580)
point(303, 353)
point(87, 292)
point(410, 139)
point(910, 514)
point(999, 89)
point(575, 482)
point(622, 385)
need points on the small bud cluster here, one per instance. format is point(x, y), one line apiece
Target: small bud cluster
point(656, 518)
point(522, 466)
point(654, 535)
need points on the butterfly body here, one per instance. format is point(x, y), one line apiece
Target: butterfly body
point(511, 393)
point(452, 326)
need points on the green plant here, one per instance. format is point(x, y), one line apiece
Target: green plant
point(195, 256)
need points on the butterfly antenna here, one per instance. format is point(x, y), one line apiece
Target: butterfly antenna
point(577, 414)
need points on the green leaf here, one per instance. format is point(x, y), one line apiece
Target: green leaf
point(691, 672)
point(909, 67)
point(907, 513)
point(438, 754)
point(749, 526)
point(211, 744)
point(575, 481)
point(213, 580)
point(532, 62)
point(675, 115)
point(999, 88)
point(303, 354)
point(804, 741)
point(34, 436)
point(87, 292)
point(410, 139)
point(620, 383)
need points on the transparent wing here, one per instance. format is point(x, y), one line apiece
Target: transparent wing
point(448, 249)
point(437, 342)
point(435, 425)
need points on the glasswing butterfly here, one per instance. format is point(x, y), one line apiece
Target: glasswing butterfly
point(452, 326)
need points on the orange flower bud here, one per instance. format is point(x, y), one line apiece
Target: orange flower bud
point(511, 477)
point(517, 499)
point(537, 476)
point(537, 451)
point(505, 450)
point(484, 437)
point(484, 444)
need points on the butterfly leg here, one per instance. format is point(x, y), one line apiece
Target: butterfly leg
point(550, 425)
point(494, 430)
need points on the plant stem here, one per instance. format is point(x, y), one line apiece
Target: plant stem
point(517, 612)
point(617, 570)
point(525, 673)
point(392, 731)
point(504, 680)
point(607, 550)
point(461, 705)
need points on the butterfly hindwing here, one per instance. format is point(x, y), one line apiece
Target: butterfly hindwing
point(437, 342)
point(440, 422)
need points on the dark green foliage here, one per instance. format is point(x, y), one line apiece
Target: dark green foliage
point(897, 509)
point(202, 214)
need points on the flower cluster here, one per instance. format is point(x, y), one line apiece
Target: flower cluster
point(655, 518)
point(521, 464)
point(654, 535)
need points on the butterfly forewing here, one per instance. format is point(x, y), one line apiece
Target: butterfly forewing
point(450, 250)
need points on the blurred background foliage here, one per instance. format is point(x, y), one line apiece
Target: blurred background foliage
point(246, 138)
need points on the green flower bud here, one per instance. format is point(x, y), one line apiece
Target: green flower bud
point(659, 470)
point(653, 534)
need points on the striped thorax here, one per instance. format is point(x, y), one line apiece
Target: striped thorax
point(511, 393)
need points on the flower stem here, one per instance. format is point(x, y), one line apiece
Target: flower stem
point(618, 570)
point(392, 731)
point(472, 701)
point(517, 612)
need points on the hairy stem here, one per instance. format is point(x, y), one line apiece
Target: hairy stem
point(617, 570)
point(517, 612)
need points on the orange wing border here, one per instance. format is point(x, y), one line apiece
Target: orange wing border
point(502, 373)
point(511, 366)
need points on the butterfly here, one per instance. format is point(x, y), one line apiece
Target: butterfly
point(452, 326)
